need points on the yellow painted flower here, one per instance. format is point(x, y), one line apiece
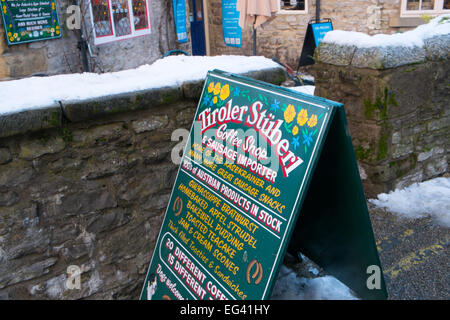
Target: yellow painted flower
point(224, 92)
point(302, 117)
point(215, 100)
point(295, 130)
point(312, 121)
point(217, 89)
point(289, 113)
point(211, 87)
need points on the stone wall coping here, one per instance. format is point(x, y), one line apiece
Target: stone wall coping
point(387, 57)
point(52, 116)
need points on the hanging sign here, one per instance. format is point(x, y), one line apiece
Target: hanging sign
point(232, 32)
point(315, 32)
point(261, 161)
point(179, 12)
point(27, 21)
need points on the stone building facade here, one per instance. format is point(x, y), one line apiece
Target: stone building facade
point(63, 55)
point(281, 38)
point(284, 36)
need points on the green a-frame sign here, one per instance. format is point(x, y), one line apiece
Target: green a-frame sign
point(265, 170)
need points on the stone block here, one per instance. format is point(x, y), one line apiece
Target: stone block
point(29, 120)
point(331, 53)
point(5, 155)
point(26, 62)
point(87, 201)
point(155, 122)
point(438, 47)
point(8, 198)
point(32, 149)
point(387, 57)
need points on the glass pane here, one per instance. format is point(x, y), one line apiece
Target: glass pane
point(293, 4)
point(102, 19)
point(446, 4)
point(191, 10)
point(412, 5)
point(140, 14)
point(427, 4)
point(198, 8)
point(121, 17)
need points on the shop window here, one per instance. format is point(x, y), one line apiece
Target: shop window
point(417, 8)
point(119, 19)
point(294, 6)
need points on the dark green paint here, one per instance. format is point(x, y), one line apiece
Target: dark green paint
point(333, 225)
point(28, 21)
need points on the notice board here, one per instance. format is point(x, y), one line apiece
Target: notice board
point(27, 21)
point(232, 33)
point(179, 13)
point(253, 162)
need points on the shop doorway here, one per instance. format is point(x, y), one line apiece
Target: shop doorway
point(196, 19)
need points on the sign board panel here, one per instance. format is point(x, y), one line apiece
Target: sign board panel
point(232, 32)
point(27, 21)
point(245, 172)
point(315, 32)
point(179, 12)
point(320, 29)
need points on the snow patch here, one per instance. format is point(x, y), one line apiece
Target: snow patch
point(56, 286)
point(304, 89)
point(437, 26)
point(291, 287)
point(429, 198)
point(38, 92)
point(94, 282)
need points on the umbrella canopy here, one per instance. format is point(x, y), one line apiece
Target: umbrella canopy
point(254, 13)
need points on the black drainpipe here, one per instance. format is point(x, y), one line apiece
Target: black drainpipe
point(82, 43)
point(317, 10)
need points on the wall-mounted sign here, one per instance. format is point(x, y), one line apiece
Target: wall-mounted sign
point(315, 32)
point(232, 32)
point(260, 162)
point(27, 21)
point(179, 12)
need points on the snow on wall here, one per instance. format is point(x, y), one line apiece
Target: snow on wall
point(437, 26)
point(36, 92)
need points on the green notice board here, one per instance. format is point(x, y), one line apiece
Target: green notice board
point(265, 170)
point(27, 21)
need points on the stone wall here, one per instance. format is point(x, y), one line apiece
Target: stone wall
point(131, 53)
point(63, 56)
point(396, 100)
point(86, 184)
point(283, 37)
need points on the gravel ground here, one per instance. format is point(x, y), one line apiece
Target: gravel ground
point(413, 253)
point(414, 256)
